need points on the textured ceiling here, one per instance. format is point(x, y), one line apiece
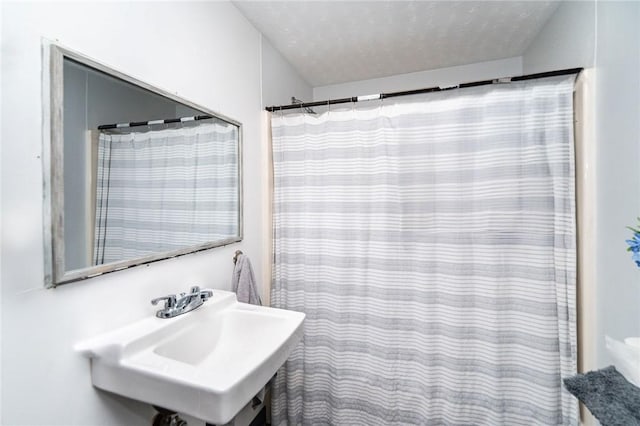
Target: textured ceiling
point(332, 42)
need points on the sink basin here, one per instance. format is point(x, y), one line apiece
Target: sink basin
point(208, 363)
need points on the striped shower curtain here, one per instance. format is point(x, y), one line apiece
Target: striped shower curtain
point(164, 190)
point(431, 243)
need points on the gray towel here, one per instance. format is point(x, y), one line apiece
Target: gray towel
point(608, 395)
point(243, 281)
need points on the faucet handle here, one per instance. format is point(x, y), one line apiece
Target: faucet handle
point(171, 301)
point(205, 295)
point(202, 294)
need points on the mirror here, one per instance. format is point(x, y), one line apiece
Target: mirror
point(137, 174)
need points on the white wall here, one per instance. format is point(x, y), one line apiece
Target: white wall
point(617, 113)
point(566, 41)
point(280, 80)
point(605, 35)
point(43, 380)
point(422, 79)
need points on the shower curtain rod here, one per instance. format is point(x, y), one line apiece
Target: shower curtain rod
point(427, 90)
point(151, 122)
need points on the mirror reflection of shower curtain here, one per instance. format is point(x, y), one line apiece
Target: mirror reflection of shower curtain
point(430, 241)
point(160, 191)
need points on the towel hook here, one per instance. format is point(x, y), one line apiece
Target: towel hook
point(235, 256)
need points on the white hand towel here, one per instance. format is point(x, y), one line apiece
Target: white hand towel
point(243, 281)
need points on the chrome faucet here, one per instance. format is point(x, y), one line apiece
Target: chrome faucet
point(182, 303)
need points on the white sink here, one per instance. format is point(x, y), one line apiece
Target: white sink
point(207, 363)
